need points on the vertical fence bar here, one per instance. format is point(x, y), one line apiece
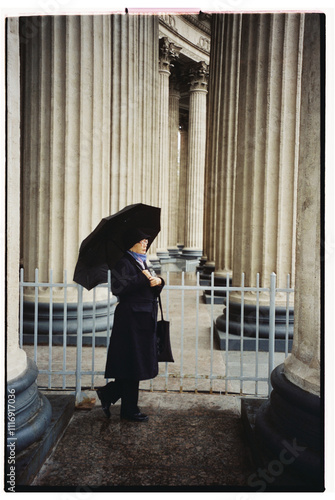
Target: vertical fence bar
point(227, 332)
point(50, 327)
point(287, 314)
point(272, 325)
point(21, 309)
point(257, 333)
point(93, 336)
point(79, 343)
point(182, 331)
point(212, 335)
point(108, 309)
point(197, 335)
point(64, 328)
point(167, 317)
point(242, 333)
point(36, 315)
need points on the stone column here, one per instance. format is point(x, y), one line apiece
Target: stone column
point(89, 141)
point(134, 111)
point(65, 156)
point(174, 98)
point(294, 410)
point(222, 148)
point(266, 164)
point(32, 410)
point(167, 53)
point(183, 134)
point(196, 161)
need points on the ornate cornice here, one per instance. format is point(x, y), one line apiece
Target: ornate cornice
point(196, 21)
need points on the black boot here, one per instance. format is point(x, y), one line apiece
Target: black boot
point(108, 395)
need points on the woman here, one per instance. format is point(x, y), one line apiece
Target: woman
point(132, 352)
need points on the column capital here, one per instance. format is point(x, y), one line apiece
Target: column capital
point(168, 52)
point(199, 74)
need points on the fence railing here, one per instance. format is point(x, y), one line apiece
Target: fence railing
point(199, 363)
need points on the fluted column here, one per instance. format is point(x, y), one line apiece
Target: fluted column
point(182, 180)
point(66, 140)
point(266, 176)
point(196, 160)
point(167, 53)
point(266, 161)
point(31, 410)
point(302, 367)
point(222, 146)
point(294, 411)
point(89, 136)
point(134, 111)
point(174, 98)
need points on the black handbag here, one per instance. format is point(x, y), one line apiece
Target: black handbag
point(164, 352)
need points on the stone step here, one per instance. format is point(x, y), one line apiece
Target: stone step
point(30, 460)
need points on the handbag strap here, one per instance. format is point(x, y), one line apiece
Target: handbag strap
point(160, 306)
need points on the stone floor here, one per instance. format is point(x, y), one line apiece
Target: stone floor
point(192, 442)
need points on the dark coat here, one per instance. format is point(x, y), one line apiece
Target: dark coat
point(132, 351)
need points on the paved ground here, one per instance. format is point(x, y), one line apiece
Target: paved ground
point(191, 442)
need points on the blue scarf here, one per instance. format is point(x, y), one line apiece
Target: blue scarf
point(142, 257)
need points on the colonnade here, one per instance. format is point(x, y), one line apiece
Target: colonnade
point(99, 133)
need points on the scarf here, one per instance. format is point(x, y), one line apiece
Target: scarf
point(140, 257)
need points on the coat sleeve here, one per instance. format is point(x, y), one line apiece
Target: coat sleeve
point(127, 279)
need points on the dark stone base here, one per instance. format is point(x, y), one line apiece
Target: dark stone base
point(29, 461)
point(205, 274)
point(101, 314)
point(173, 251)
point(32, 410)
point(249, 330)
point(249, 343)
point(270, 473)
point(219, 296)
point(191, 253)
point(285, 438)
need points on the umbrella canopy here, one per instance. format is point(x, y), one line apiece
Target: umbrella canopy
point(113, 236)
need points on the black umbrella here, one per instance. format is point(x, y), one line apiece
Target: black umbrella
point(113, 236)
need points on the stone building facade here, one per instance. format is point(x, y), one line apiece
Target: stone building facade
point(216, 119)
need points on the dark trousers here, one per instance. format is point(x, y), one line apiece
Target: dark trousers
point(125, 389)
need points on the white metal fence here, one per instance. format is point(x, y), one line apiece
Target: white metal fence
point(199, 364)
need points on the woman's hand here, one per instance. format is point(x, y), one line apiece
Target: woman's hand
point(154, 280)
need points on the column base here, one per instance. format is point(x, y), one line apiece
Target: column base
point(173, 252)
point(250, 328)
point(219, 296)
point(191, 253)
point(32, 410)
point(288, 429)
point(155, 263)
point(101, 314)
point(162, 254)
point(207, 270)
